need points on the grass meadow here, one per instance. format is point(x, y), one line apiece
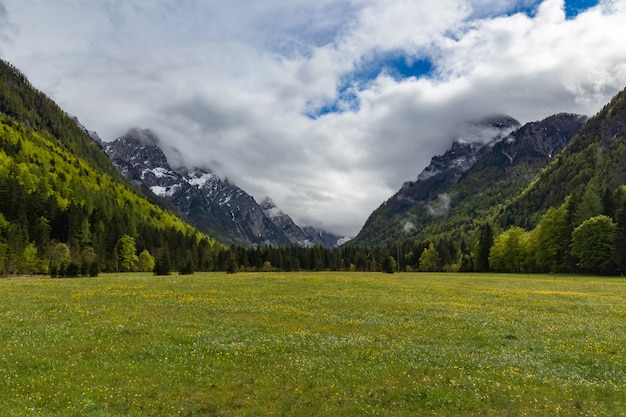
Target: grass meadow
point(313, 344)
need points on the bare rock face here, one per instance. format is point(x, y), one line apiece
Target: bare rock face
point(303, 236)
point(213, 205)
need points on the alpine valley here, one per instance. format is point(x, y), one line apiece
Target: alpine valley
point(546, 196)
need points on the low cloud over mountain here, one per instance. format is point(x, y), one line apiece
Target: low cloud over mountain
point(327, 106)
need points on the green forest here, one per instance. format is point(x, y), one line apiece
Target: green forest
point(66, 211)
point(585, 234)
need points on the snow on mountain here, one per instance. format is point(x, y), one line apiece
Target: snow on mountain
point(304, 236)
point(213, 205)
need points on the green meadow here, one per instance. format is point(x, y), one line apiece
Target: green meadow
point(313, 344)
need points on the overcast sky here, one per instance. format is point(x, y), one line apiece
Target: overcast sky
point(327, 106)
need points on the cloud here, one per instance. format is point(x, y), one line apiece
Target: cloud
point(408, 227)
point(314, 103)
point(4, 23)
point(440, 206)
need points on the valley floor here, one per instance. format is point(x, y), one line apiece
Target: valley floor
point(303, 344)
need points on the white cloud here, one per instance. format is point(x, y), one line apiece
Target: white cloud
point(229, 84)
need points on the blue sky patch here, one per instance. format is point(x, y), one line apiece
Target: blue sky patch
point(347, 100)
point(393, 64)
point(574, 7)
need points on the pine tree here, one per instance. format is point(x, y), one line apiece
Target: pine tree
point(481, 254)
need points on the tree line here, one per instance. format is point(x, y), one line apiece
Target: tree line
point(586, 234)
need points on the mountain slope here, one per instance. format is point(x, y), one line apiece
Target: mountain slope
point(57, 187)
point(215, 206)
point(593, 160)
point(466, 182)
point(303, 236)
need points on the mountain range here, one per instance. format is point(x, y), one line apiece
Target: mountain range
point(68, 198)
point(212, 204)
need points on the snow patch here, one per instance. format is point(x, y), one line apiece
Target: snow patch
point(201, 180)
point(159, 172)
point(165, 191)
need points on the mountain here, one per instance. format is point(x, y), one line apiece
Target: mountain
point(593, 162)
point(303, 236)
point(393, 218)
point(215, 206)
point(62, 201)
point(466, 182)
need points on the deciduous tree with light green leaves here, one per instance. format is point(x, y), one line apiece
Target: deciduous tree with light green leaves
point(508, 253)
point(59, 257)
point(430, 260)
point(552, 239)
point(127, 254)
point(593, 244)
point(146, 261)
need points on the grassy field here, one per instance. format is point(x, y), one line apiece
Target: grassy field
point(325, 344)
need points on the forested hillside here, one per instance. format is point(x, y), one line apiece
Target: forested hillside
point(572, 217)
point(461, 188)
point(64, 209)
point(593, 161)
point(524, 206)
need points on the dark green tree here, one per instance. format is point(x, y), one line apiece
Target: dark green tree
point(389, 264)
point(482, 248)
point(231, 264)
point(162, 265)
point(620, 240)
point(590, 205)
point(127, 252)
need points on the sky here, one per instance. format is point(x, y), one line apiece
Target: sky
point(326, 106)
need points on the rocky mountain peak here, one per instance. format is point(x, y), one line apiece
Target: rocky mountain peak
point(460, 157)
point(138, 149)
point(212, 204)
point(274, 213)
point(544, 138)
point(463, 152)
point(500, 121)
point(143, 136)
